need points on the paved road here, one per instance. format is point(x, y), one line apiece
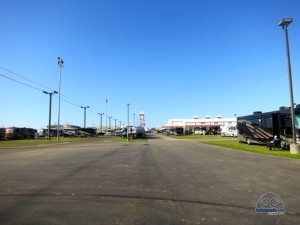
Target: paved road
point(162, 181)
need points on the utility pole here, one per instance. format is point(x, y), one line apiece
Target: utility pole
point(101, 114)
point(84, 107)
point(50, 106)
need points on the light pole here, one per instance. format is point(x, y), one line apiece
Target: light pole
point(133, 119)
point(115, 124)
point(60, 63)
point(110, 123)
point(128, 121)
point(101, 114)
point(120, 124)
point(84, 108)
point(106, 114)
point(50, 106)
point(284, 23)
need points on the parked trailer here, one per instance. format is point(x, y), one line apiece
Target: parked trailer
point(2, 132)
point(88, 132)
point(19, 133)
point(44, 132)
point(229, 131)
point(133, 132)
point(261, 128)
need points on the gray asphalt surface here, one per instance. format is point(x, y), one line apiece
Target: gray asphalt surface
point(161, 181)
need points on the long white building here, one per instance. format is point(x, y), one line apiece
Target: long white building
point(195, 122)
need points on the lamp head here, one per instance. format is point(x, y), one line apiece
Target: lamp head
point(60, 62)
point(284, 23)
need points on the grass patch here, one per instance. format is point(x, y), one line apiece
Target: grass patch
point(234, 144)
point(40, 141)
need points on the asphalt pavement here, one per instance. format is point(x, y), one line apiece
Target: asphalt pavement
point(160, 181)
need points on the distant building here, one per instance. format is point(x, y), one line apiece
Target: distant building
point(196, 124)
point(65, 126)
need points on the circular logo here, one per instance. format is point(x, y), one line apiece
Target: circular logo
point(271, 204)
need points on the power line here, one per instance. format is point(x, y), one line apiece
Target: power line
point(74, 102)
point(67, 101)
point(20, 82)
point(32, 82)
point(77, 102)
point(25, 78)
point(35, 88)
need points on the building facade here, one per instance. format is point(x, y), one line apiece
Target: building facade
point(196, 124)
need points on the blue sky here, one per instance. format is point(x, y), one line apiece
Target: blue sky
point(168, 58)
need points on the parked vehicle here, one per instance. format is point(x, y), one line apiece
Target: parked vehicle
point(228, 131)
point(71, 132)
point(19, 133)
point(179, 131)
point(88, 132)
point(260, 128)
point(2, 132)
point(213, 130)
point(133, 132)
point(140, 132)
point(168, 132)
point(100, 133)
point(118, 133)
point(42, 132)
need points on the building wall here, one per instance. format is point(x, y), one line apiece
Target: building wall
point(195, 123)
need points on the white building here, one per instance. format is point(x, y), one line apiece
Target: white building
point(142, 119)
point(196, 124)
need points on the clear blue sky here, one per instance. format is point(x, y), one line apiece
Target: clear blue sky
point(169, 58)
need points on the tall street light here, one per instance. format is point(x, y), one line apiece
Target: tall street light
point(50, 106)
point(133, 119)
point(284, 23)
point(101, 114)
point(128, 121)
point(84, 108)
point(61, 64)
